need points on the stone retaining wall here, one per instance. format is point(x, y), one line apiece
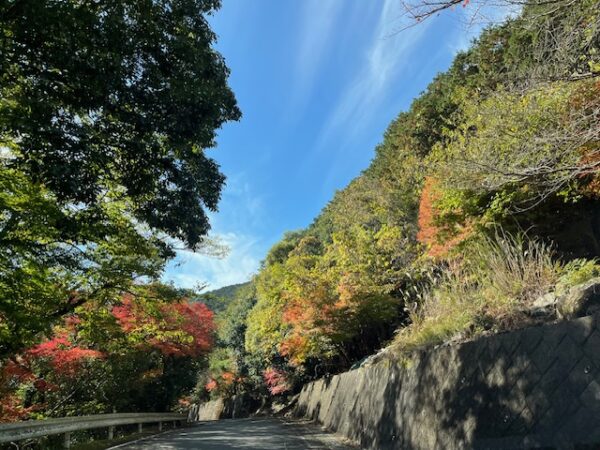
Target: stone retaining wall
point(235, 407)
point(533, 388)
point(211, 410)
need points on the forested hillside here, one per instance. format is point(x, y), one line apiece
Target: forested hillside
point(219, 299)
point(481, 198)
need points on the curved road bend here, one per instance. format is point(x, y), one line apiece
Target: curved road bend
point(243, 434)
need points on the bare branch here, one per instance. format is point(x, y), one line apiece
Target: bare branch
point(417, 11)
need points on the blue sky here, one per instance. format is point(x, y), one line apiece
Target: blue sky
point(318, 82)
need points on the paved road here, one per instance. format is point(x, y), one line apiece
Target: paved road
point(245, 434)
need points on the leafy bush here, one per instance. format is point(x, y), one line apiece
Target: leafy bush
point(519, 148)
point(577, 272)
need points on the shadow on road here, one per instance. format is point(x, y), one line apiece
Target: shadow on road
point(246, 434)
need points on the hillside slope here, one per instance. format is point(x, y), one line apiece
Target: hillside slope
point(482, 198)
point(218, 299)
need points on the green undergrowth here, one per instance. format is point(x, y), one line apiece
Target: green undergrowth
point(103, 444)
point(97, 439)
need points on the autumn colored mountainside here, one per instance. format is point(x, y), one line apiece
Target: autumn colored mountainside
point(480, 199)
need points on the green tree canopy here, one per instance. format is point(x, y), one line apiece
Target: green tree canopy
point(106, 109)
point(129, 94)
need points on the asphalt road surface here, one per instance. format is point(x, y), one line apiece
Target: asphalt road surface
point(245, 434)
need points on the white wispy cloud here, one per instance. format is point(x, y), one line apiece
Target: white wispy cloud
point(190, 270)
point(240, 207)
point(387, 55)
point(315, 38)
point(237, 227)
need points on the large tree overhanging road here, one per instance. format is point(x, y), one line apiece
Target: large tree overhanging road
point(246, 434)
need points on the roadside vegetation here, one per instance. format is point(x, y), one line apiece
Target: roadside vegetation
point(106, 110)
point(490, 287)
point(481, 199)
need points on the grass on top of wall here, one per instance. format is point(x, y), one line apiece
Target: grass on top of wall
point(489, 289)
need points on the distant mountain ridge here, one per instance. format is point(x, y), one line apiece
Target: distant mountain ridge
point(218, 299)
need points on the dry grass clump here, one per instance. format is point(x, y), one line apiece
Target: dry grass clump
point(518, 269)
point(487, 288)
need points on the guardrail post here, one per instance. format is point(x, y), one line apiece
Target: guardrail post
point(140, 427)
point(111, 433)
point(159, 426)
point(67, 440)
point(174, 424)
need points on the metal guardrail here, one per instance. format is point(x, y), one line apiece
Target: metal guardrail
point(18, 431)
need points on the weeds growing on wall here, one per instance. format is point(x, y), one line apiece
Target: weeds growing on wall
point(490, 286)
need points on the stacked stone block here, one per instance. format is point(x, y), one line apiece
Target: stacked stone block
point(533, 388)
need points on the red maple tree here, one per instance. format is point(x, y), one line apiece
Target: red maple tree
point(276, 381)
point(179, 329)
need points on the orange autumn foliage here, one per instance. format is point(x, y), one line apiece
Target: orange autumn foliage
point(432, 235)
point(211, 385)
point(228, 377)
point(294, 347)
point(11, 409)
point(308, 317)
point(297, 312)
